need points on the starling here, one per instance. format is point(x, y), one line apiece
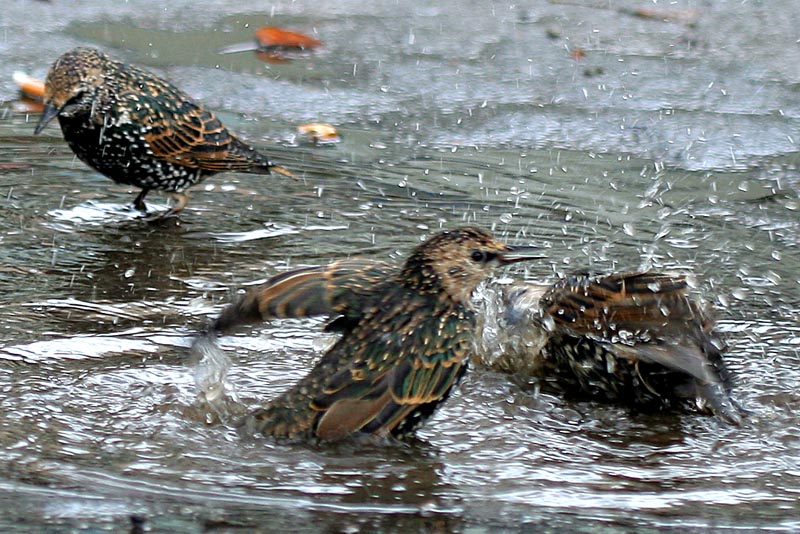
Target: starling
point(406, 334)
point(634, 338)
point(139, 129)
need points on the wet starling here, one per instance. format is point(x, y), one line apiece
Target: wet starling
point(634, 338)
point(406, 335)
point(139, 129)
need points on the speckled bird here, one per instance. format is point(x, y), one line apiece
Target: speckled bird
point(139, 129)
point(634, 338)
point(406, 334)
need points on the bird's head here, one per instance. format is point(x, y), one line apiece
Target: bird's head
point(72, 84)
point(457, 261)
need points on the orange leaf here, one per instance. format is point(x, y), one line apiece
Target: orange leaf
point(271, 37)
point(30, 87)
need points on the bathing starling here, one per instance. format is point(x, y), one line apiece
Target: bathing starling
point(633, 338)
point(406, 334)
point(139, 129)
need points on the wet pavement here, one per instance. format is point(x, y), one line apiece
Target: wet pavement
point(616, 139)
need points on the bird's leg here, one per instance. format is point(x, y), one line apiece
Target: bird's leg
point(181, 199)
point(138, 202)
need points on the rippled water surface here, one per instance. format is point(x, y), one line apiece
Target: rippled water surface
point(613, 140)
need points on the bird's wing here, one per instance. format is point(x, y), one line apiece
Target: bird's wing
point(340, 288)
point(389, 377)
point(654, 308)
point(183, 132)
point(704, 364)
point(640, 304)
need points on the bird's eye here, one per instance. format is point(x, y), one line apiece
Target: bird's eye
point(478, 256)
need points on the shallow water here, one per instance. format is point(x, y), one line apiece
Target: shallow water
point(668, 145)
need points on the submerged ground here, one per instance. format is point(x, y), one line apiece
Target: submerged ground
point(618, 139)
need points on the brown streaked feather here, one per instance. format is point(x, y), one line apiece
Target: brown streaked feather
point(299, 293)
point(392, 416)
point(634, 302)
point(381, 415)
point(638, 338)
point(349, 415)
point(411, 381)
point(335, 289)
point(421, 381)
point(379, 368)
point(194, 137)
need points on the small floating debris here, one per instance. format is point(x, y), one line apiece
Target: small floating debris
point(30, 87)
point(320, 133)
point(685, 16)
point(577, 53)
point(271, 37)
point(272, 44)
point(31, 93)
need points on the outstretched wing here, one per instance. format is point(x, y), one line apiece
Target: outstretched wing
point(638, 304)
point(648, 317)
point(702, 362)
point(340, 288)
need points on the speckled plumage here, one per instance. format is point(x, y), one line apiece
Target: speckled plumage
point(139, 129)
point(635, 338)
point(406, 334)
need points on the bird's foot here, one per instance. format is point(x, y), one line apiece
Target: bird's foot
point(138, 202)
point(181, 200)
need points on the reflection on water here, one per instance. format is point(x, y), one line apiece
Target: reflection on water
point(100, 411)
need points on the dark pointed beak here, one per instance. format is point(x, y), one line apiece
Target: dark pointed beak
point(50, 112)
point(514, 254)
